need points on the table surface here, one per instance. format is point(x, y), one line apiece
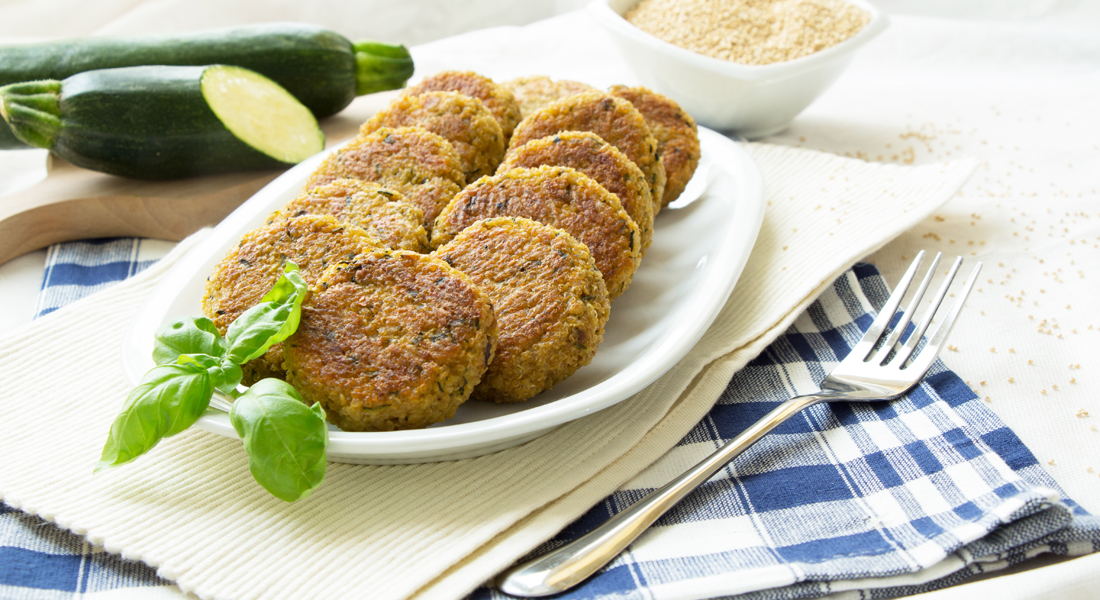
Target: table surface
point(1011, 83)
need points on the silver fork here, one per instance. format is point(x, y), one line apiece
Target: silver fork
point(876, 369)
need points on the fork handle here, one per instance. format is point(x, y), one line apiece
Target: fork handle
point(571, 564)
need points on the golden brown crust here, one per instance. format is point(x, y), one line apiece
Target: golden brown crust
point(461, 120)
point(495, 97)
point(532, 93)
point(411, 160)
point(391, 340)
point(246, 274)
point(556, 196)
point(613, 119)
point(591, 155)
point(676, 133)
point(382, 212)
point(550, 300)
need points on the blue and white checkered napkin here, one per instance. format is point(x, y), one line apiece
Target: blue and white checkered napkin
point(897, 498)
point(885, 498)
point(77, 269)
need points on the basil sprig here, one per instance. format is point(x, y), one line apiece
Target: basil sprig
point(286, 441)
point(188, 335)
point(269, 322)
point(169, 399)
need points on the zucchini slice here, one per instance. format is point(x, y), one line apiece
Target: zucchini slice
point(163, 122)
point(262, 114)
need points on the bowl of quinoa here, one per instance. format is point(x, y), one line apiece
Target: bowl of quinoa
point(740, 66)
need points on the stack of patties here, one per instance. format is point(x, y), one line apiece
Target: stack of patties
point(388, 339)
point(529, 247)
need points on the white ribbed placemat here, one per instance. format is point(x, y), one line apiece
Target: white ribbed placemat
point(191, 508)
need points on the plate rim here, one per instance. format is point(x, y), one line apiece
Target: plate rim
point(748, 203)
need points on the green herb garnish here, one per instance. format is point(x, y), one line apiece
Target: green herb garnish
point(286, 440)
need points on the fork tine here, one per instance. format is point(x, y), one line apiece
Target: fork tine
point(914, 339)
point(907, 315)
point(943, 330)
point(866, 344)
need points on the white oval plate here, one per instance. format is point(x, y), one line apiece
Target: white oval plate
point(700, 245)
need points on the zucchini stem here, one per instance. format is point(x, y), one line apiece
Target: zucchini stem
point(380, 67)
point(33, 111)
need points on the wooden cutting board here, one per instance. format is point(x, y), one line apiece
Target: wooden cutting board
point(72, 203)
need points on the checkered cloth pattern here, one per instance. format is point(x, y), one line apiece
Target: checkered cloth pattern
point(878, 499)
point(77, 269)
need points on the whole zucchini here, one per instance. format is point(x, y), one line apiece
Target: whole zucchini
point(162, 122)
point(319, 67)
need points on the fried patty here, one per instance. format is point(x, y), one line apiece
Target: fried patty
point(556, 196)
point(462, 120)
point(251, 268)
point(421, 165)
point(613, 119)
point(591, 155)
point(532, 93)
point(550, 300)
point(391, 340)
point(382, 212)
point(495, 97)
point(676, 133)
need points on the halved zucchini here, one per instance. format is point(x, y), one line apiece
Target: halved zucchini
point(162, 122)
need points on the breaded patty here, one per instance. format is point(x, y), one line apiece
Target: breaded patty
point(591, 155)
point(532, 93)
point(411, 160)
point(550, 300)
point(246, 274)
point(676, 133)
point(495, 97)
point(391, 340)
point(613, 119)
point(556, 196)
point(382, 212)
point(462, 120)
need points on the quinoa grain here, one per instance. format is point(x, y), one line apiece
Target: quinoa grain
point(752, 32)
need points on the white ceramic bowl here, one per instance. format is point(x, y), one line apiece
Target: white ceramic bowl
point(749, 100)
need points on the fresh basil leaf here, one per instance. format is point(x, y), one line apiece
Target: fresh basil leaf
point(187, 335)
point(271, 321)
point(226, 376)
point(169, 399)
point(285, 440)
point(203, 360)
point(224, 373)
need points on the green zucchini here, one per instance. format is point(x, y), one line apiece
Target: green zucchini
point(321, 68)
point(162, 122)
